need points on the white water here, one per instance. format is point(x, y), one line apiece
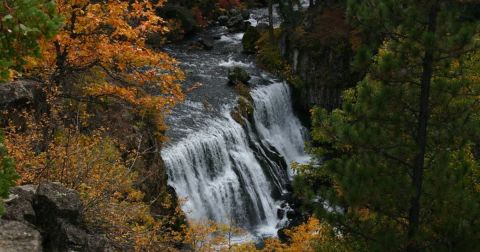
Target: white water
point(233, 63)
point(228, 171)
point(277, 124)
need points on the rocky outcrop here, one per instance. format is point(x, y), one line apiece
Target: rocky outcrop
point(320, 52)
point(16, 236)
point(238, 75)
point(50, 215)
point(19, 93)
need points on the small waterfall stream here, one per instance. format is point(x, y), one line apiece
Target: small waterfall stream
point(224, 170)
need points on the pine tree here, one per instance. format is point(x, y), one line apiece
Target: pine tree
point(7, 173)
point(399, 160)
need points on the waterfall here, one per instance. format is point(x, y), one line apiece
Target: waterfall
point(232, 171)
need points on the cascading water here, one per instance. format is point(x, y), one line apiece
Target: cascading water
point(228, 171)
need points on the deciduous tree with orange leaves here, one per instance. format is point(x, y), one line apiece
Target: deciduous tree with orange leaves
point(107, 38)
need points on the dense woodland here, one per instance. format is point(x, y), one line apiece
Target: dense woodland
point(395, 162)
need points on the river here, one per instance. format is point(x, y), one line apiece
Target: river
point(225, 171)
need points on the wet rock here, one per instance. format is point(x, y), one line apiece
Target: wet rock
point(206, 43)
point(16, 236)
point(292, 214)
point(238, 75)
point(280, 213)
point(245, 14)
point(19, 204)
point(235, 12)
point(249, 40)
point(222, 20)
point(236, 23)
point(282, 235)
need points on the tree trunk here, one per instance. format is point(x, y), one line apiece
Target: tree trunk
point(419, 165)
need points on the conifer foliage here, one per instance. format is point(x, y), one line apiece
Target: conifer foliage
point(397, 164)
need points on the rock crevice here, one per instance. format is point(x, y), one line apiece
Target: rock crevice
point(47, 217)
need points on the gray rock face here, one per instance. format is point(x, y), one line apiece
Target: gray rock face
point(17, 92)
point(19, 205)
point(325, 72)
point(54, 200)
point(53, 210)
point(19, 237)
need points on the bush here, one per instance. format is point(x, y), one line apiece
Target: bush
point(7, 173)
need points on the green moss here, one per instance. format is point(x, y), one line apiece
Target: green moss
point(268, 54)
point(243, 90)
point(243, 110)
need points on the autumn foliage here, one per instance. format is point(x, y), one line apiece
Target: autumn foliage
point(99, 60)
point(109, 37)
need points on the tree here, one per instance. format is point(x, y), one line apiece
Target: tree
point(22, 24)
point(8, 176)
point(108, 39)
point(402, 151)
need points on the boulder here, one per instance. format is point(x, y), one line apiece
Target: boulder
point(18, 92)
point(53, 200)
point(249, 40)
point(222, 20)
point(238, 74)
point(16, 236)
point(206, 43)
point(18, 206)
point(245, 14)
point(236, 23)
point(53, 210)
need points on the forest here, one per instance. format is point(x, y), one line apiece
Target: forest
point(239, 125)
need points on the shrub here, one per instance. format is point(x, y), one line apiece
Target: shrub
point(7, 173)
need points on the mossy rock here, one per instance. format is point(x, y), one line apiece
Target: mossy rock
point(250, 39)
point(243, 111)
point(238, 75)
